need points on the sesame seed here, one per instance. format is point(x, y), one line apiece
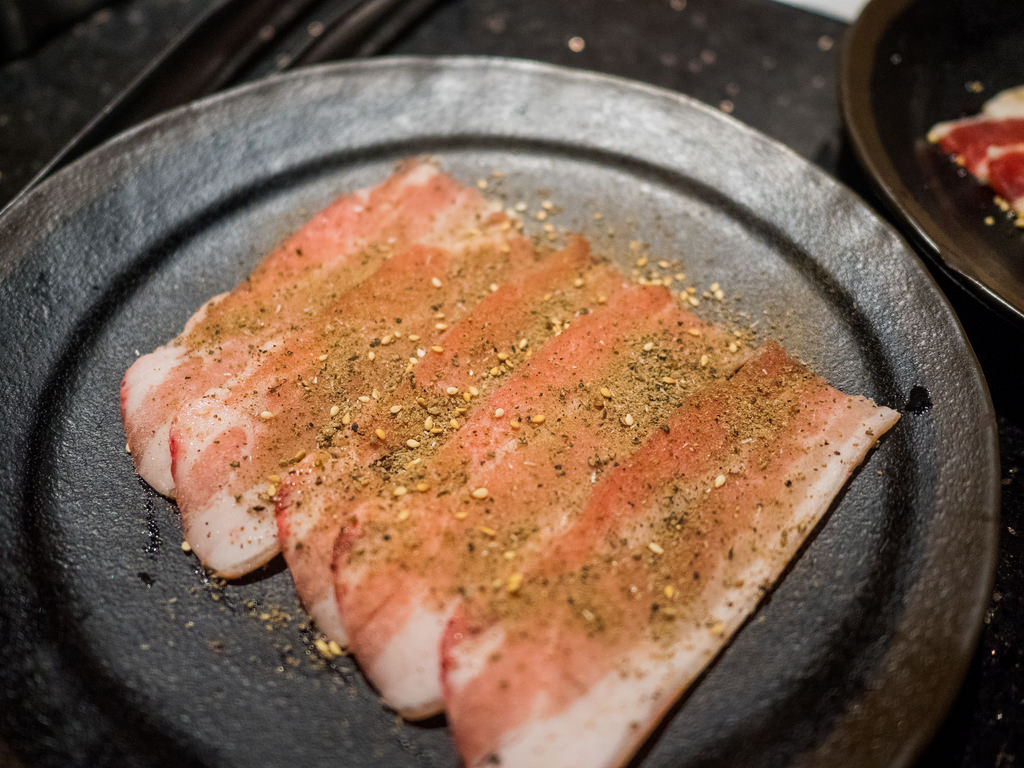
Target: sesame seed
point(704, 360)
point(375, 395)
point(428, 422)
point(606, 393)
point(493, 287)
point(467, 396)
point(523, 343)
point(515, 581)
point(670, 591)
point(655, 548)
point(364, 398)
point(400, 490)
point(346, 419)
point(578, 282)
point(371, 355)
point(520, 206)
point(461, 514)
point(441, 326)
point(547, 205)
point(452, 390)
point(733, 347)
point(694, 331)
point(322, 647)
point(386, 340)
point(494, 371)
point(719, 481)
point(274, 478)
point(515, 423)
point(403, 514)
point(538, 418)
point(628, 420)
point(481, 183)
point(667, 380)
point(454, 423)
point(437, 348)
point(694, 301)
point(321, 358)
point(648, 346)
point(395, 408)
point(412, 443)
point(642, 261)
point(186, 547)
point(499, 412)
point(271, 490)
point(422, 487)
point(266, 415)
point(487, 531)
point(380, 433)
point(334, 410)
point(436, 282)
point(479, 493)
point(541, 215)
point(414, 337)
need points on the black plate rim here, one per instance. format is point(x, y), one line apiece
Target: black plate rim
point(856, 69)
point(906, 745)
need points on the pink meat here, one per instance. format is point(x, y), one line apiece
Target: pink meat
point(230, 447)
point(675, 548)
point(970, 139)
point(1006, 176)
point(516, 473)
point(477, 353)
point(341, 246)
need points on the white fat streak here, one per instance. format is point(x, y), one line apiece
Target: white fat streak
point(605, 725)
point(421, 174)
point(469, 666)
point(1008, 103)
point(328, 620)
point(147, 373)
point(153, 461)
point(229, 538)
point(151, 452)
point(408, 670)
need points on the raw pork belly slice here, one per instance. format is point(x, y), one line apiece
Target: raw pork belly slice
point(516, 473)
point(617, 615)
point(341, 246)
point(475, 354)
point(229, 447)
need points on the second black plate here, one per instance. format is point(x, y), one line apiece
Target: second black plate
point(908, 64)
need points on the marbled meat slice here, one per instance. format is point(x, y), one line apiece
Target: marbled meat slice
point(341, 246)
point(1006, 176)
point(1000, 124)
point(677, 545)
point(517, 472)
point(969, 140)
point(230, 447)
point(473, 356)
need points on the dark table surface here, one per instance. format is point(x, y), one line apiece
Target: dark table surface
point(771, 66)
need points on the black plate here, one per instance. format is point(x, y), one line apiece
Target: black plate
point(908, 64)
point(118, 650)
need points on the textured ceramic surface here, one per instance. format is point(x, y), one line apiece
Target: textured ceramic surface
point(120, 651)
